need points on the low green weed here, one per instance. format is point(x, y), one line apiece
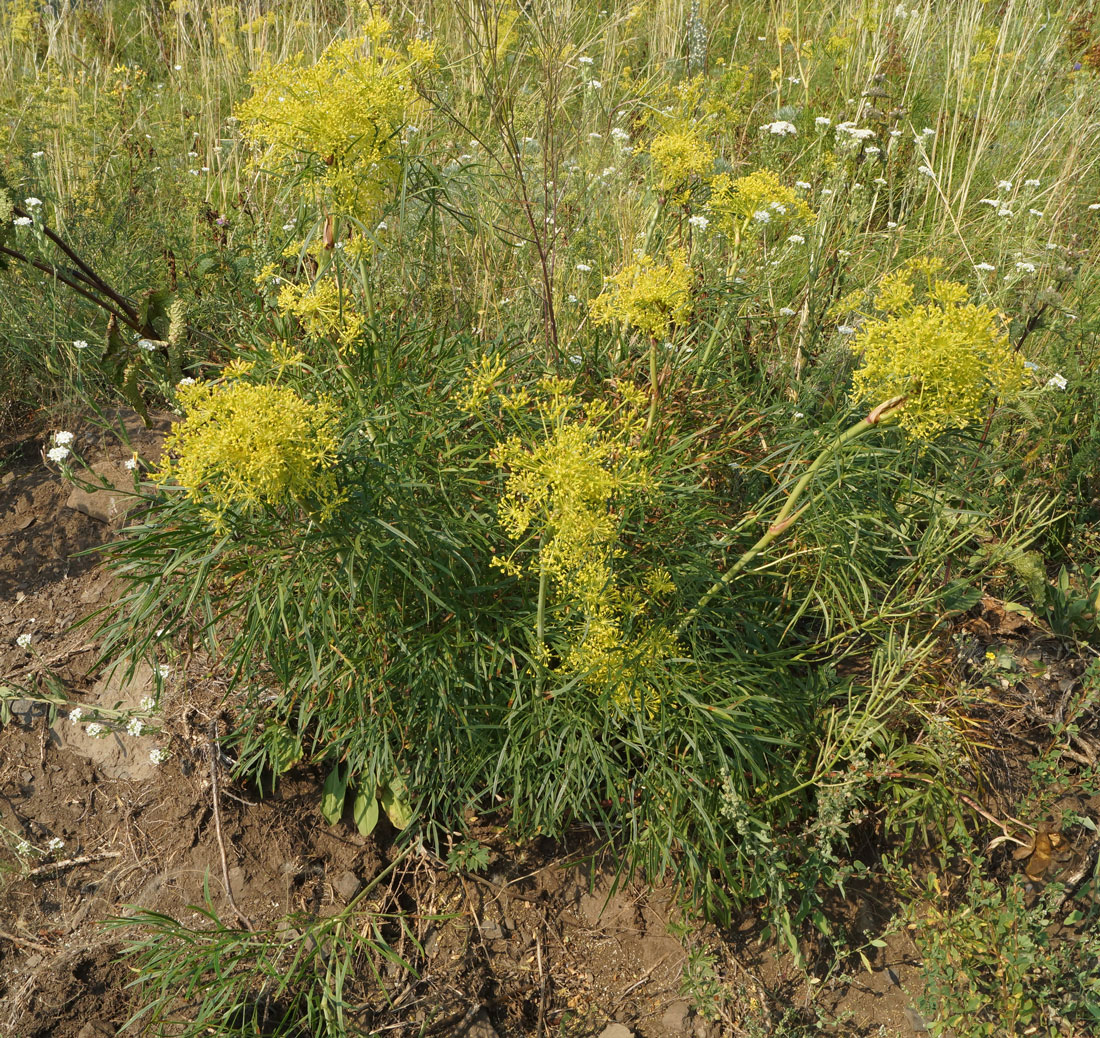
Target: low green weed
point(998, 960)
point(302, 975)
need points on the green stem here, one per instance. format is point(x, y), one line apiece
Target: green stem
point(540, 620)
point(787, 515)
point(652, 384)
point(652, 226)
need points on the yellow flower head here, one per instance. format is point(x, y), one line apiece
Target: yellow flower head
point(571, 471)
point(242, 447)
point(344, 111)
point(950, 357)
point(755, 202)
point(681, 157)
point(323, 310)
point(648, 296)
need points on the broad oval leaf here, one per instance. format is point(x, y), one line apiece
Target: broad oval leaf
point(332, 795)
point(365, 812)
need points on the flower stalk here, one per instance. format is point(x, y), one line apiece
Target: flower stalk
point(787, 515)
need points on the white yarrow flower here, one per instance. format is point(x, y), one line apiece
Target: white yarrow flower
point(57, 454)
point(32, 201)
point(803, 185)
point(781, 128)
point(823, 121)
point(23, 641)
point(80, 344)
point(796, 239)
point(845, 329)
point(984, 266)
point(786, 311)
point(584, 268)
point(22, 221)
point(926, 171)
point(1031, 182)
point(1004, 185)
point(698, 222)
point(63, 439)
point(1025, 268)
point(762, 216)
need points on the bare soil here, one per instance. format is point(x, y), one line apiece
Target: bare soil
point(545, 941)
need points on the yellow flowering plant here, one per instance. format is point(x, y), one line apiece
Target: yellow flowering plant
point(341, 115)
point(926, 366)
point(755, 203)
point(682, 158)
point(650, 297)
point(243, 447)
point(949, 358)
point(646, 295)
point(571, 473)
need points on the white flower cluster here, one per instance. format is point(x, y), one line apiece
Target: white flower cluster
point(781, 128)
point(60, 449)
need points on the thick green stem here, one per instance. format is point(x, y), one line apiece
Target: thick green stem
point(540, 619)
point(787, 514)
point(653, 391)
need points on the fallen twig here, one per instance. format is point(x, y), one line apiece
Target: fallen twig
point(214, 752)
point(72, 863)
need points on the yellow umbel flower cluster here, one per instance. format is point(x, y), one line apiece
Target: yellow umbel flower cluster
point(755, 202)
point(648, 296)
point(322, 309)
point(949, 357)
point(242, 447)
point(561, 505)
point(682, 157)
point(341, 116)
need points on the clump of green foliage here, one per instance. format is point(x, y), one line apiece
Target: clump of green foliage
point(415, 501)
